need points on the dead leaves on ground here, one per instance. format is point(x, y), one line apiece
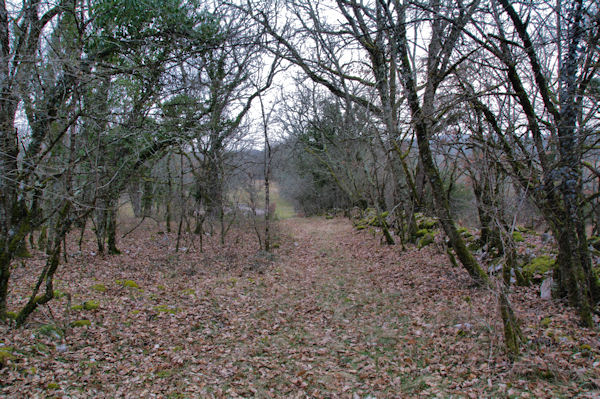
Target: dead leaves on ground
point(333, 314)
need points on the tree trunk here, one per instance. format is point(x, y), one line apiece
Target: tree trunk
point(465, 256)
point(512, 332)
point(62, 226)
point(135, 197)
point(11, 224)
point(147, 197)
point(421, 120)
point(562, 207)
point(111, 231)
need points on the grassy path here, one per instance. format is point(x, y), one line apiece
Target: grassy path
point(314, 325)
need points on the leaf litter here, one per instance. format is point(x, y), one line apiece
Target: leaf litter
point(332, 314)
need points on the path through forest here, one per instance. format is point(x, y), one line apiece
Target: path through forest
point(333, 313)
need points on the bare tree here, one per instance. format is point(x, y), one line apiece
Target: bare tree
point(544, 145)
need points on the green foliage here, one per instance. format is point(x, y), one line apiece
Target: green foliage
point(52, 385)
point(154, 21)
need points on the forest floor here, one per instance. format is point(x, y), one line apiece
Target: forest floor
point(332, 313)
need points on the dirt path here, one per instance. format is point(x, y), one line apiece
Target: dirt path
point(315, 325)
point(333, 314)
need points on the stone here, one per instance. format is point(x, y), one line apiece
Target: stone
point(546, 288)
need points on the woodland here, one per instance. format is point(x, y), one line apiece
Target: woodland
point(296, 198)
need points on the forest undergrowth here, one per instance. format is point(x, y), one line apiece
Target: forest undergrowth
point(331, 313)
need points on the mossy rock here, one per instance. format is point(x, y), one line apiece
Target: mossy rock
point(58, 294)
point(425, 240)
point(422, 232)
point(77, 307)
point(51, 330)
point(424, 222)
point(517, 236)
point(546, 322)
point(465, 233)
point(166, 309)
point(373, 221)
point(525, 230)
point(81, 323)
point(540, 265)
point(130, 284)
point(164, 373)
point(474, 245)
point(372, 218)
point(98, 288)
point(41, 347)
point(6, 355)
point(90, 305)
point(427, 223)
